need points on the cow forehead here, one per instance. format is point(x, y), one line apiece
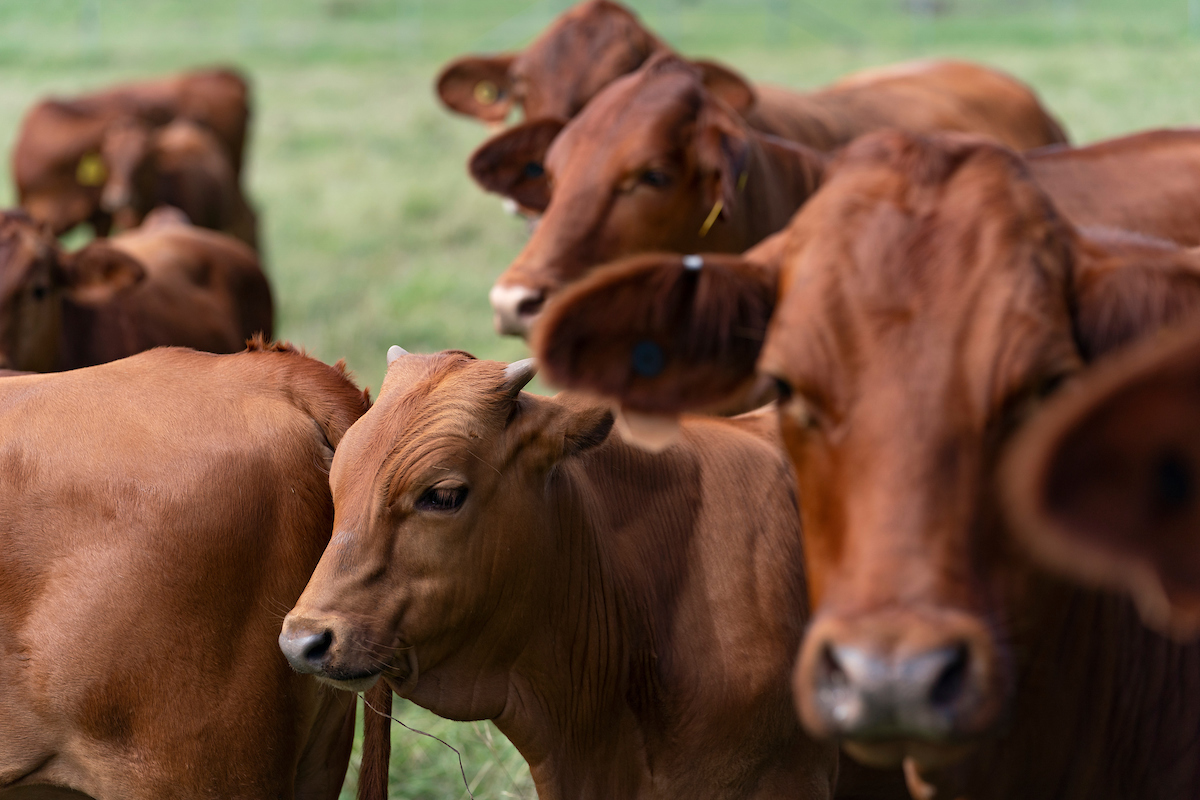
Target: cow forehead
point(640, 113)
point(581, 37)
point(906, 262)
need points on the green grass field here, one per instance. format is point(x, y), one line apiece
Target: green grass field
point(374, 233)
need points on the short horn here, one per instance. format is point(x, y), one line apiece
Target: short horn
point(394, 352)
point(517, 374)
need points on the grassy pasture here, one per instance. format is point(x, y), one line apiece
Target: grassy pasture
point(374, 233)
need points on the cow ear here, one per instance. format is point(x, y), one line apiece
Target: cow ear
point(1105, 483)
point(477, 86)
point(1125, 289)
point(726, 84)
point(98, 272)
point(559, 427)
point(722, 148)
point(512, 163)
point(659, 334)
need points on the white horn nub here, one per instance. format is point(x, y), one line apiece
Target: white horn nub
point(650, 432)
point(394, 352)
point(519, 373)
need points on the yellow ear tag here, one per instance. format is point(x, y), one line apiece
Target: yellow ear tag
point(91, 170)
point(712, 217)
point(486, 93)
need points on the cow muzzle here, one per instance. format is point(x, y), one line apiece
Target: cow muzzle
point(516, 308)
point(317, 648)
point(894, 690)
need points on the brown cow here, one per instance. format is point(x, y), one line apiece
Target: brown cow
point(931, 297)
point(628, 621)
point(656, 163)
point(597, 42)
point(1103, 484)
point(180, 164)
point(165, 283)
point(56, 162)
point(157, 516)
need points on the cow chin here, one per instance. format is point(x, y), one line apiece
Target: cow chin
point(890, 754)
point(352, 685)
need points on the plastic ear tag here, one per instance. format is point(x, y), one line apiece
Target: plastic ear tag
point(486, 93)
point(91, 170)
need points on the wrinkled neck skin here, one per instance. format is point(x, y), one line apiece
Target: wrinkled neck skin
point(604, 692)
point(780, 177)
point(1105, 710)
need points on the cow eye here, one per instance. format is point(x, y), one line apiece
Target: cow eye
point(39, 292)
point(1050, 384)
point(656, 179)
point(783, 389)
point(442, 498)
point(534, 170)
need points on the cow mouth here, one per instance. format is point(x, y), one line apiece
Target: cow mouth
point(923, 755)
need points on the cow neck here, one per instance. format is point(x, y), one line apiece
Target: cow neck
point(779, 178)
point(1106, 709)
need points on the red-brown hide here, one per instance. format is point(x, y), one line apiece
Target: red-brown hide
point(56, 159)
point(158, 516)
point(165, 283)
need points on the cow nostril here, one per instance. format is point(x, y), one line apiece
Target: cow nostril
point(830, 673)
point(314, 648)
point(952, 679)
point(532, 305)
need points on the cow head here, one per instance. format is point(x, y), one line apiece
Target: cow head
point(433, 575)
point(583, 51)
point(1103, 485)
point(127, 153)
point(36, 277)
point(930, 299)
point(643, 168)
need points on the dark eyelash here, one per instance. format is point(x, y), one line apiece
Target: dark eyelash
point(442, 498)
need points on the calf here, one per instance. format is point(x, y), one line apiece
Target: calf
point(157, 515)
point(1103, 484)
point(180, 164)
point(598, 41)
point(628, 621)
point(166, 283)
point(56, 160)
point(931, 297)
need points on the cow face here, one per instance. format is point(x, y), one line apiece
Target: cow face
point(643, 168)
point(930, 299)
point(36, 277)
point(583, 51)
point(1103, 486)
point(127, 152)
point(441, 524)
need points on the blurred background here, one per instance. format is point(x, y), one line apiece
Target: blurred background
point(375, 235)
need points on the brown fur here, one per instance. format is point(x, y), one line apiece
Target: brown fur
point(598, 41)
point(619, 615)
point(168, 283)
point(159, 516)
point(1102, 485)
point(55, 135)
point(930, 297)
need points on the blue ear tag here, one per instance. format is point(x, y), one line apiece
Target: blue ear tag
point(648, 359)
point(693, 262)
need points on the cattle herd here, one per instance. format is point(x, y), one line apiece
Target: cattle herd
point(876, 474)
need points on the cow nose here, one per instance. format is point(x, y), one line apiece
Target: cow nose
point(516, 308)
point(307, 651)
point(865, 695)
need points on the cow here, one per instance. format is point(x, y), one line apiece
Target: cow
point(656, 162)
point(628, 621)
point(181, 164)
point(931, 298)
point(56, 161)
point(1102, 485)
point(157, 516)
point(598, 41)
point(164, 283)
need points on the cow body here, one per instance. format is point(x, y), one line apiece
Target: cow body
point(158, 515)
point(56, 159)
point(627, 621)
point(599, 41)
point(930, 298)
point(165, 283)
point(181, 164)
